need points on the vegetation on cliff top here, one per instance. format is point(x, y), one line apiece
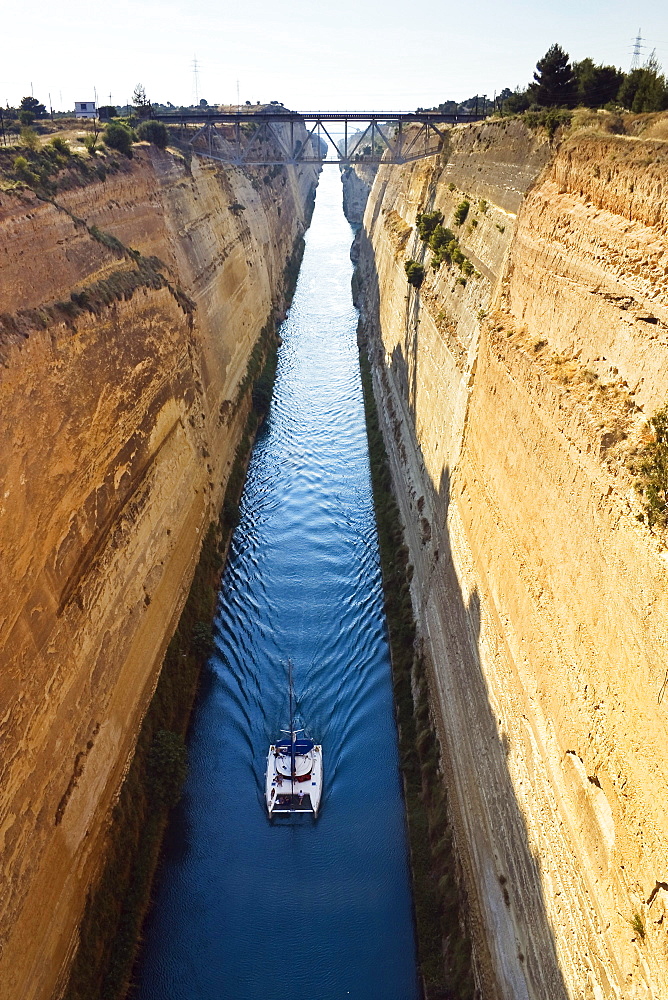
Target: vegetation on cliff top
point(50, 167)
point(155, 132)
point(558, 83)
point(118, 136)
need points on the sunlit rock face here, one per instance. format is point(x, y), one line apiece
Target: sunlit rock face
point(513, 399)
point(120, 422)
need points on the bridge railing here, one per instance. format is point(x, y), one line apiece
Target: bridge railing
point(208, 115)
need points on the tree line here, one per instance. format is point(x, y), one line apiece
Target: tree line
point(558, 83)
point(119, 133)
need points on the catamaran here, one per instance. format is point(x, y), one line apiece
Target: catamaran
point(294, 771)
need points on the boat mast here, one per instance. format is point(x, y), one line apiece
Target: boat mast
point(292, 733)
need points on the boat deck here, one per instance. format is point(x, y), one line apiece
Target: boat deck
point(292, 803)
point(285, 794)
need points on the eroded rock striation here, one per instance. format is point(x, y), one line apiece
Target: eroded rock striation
point(129, 310)
point(513, 392)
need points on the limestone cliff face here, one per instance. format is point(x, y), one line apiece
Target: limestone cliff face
point(120, 419)
point(357, 183)
point(511, 404)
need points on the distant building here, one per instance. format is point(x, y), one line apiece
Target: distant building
point(85, 109)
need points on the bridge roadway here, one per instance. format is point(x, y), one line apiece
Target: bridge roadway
point(268, 136)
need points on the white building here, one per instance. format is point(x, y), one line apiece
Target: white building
point(85, 109)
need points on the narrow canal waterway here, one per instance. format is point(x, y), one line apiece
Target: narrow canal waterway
point(247, 910)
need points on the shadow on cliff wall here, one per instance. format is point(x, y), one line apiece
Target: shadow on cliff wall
point(508, 890)
point(515, 890)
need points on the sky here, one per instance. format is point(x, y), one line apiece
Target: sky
point(350, 55)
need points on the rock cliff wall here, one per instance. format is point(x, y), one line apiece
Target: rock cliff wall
point(357, 183)
point(130, 307)
point(512, 400)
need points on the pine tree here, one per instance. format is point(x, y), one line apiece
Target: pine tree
point(33, 107)
point(141, 103)
point(645, 89)
point(554, 80)
point(596, 85)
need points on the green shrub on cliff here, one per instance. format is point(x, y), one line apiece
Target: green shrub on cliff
point(29, 138)
point(651, 468)
point(120, 137)
point(61, 146)
point(155, 132)
point(461, 212)
point(455, 253)
point(201, 639)
point(414, 272)
point(53, 167)
point(442, 242)
point(549, 120)
point(168, 766)
point(427, 223)
point(262, 393)
point(23, 171)
point(440, 238)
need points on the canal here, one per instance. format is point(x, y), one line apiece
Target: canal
point(245, 909)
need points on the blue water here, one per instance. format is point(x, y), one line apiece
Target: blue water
point(247, 910)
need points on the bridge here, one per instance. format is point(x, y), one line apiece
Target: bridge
point(276, 136)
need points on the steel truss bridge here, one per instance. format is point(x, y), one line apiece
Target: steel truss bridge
point(269, 138)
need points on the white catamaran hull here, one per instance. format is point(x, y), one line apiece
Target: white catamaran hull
point(294, 780)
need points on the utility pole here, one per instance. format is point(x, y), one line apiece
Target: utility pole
point(50, 106)
point(196, 79)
